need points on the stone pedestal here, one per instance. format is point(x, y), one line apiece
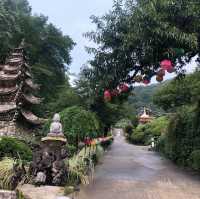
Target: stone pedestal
point(54, 145)
point(48, 165)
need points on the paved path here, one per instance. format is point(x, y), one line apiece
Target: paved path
point(133, 172)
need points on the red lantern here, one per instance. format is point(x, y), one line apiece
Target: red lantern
point(123, 88)
point(166, 64)
point(159, 78)
point(146, 81)
point(114, 93)
point(107, 96)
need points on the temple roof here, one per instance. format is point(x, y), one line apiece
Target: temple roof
point(7, 107)
point(32, 99)
point(30, 117)
point(145, 115)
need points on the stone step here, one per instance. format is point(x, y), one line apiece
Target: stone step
point(7, 194)
point(42, 192)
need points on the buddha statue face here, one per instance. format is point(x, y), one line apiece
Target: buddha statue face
point(56, 118)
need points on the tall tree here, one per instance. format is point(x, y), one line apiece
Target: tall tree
point(46, 46)
point(135, 37)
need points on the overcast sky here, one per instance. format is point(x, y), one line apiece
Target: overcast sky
point(73, 18)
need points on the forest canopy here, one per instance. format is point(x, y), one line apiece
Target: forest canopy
point(47, 48)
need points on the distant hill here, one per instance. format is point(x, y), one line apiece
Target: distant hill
point(142, 96)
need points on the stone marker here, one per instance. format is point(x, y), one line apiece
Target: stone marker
point(48, 166)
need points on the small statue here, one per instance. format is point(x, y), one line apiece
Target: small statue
point(48, 166)
point(56, 127)
point(40, 178)
point(59, 173)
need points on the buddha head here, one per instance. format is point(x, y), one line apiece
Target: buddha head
point(56, 118)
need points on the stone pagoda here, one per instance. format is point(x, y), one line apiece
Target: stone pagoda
point(16, 88)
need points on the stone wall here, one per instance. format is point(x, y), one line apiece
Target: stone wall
point(7, 194)
point(7, 129)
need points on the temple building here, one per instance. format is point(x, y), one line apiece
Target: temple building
point(16, 98)
point(145, 117)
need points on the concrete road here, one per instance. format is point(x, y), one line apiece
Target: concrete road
point(133, 172)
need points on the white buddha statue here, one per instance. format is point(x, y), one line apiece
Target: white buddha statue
point(56, 126)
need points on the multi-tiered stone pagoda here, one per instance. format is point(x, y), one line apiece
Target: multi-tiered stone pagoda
point(16, 93)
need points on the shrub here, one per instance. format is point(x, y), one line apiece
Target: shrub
point(11, 147)
point(180, 136)
point(142, 134)
point(123, 123)
point(160, 146)
point(138, 136)
point(195, 159)
point(77, 124)
point(71, 149)
point(128, 129)
point(12, 172)
point(81, 166)
point(157, 126)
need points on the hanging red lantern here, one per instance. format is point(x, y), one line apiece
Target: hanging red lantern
point(125, 88)
point(161, 72)
point(166, 64)
point(114, 93)
point(107, 95)
point(159, 78)
point(146, 81)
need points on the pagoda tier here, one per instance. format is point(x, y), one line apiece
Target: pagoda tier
point(11, 69)
point(30, 84)
point(29, 116)
point(7, 112)
point(9, 77)
point(32, 99)
point(7, 91)
point(16, 87)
